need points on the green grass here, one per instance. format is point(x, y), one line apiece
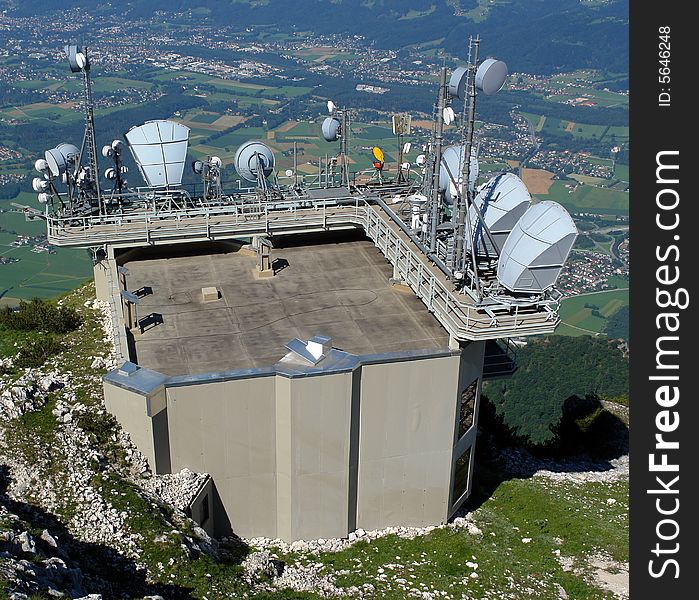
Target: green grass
point(589, 198)
point(576, 317)
point(574, 519)
point(621, 172)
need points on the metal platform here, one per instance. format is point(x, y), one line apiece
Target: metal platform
point(459, 314)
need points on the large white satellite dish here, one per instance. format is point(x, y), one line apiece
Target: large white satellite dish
point(331, 129)
point(159, 149)
point(537, 248)
point(452, 162)
point(59, 158)
point(252, 156)
point(502, 202)
point(490, 76)
point(331, 107)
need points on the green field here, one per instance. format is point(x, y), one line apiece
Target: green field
point(37, 274)
point(621, 172)
point(579, 320)
point(589, 198)
point(562, 127)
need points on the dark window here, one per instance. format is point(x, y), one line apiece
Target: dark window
point(467, 407)
point(204, 512)
point(460, 484)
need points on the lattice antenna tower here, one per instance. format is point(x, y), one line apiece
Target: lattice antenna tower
point(80, 63)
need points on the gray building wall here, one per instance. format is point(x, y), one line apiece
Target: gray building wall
point(310, 452)
point(405, 442)
point(228, 429)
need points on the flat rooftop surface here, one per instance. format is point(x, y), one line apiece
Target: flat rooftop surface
point(338, 289)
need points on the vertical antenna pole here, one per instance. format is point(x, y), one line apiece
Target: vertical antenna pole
point(90, 136)
point(344, 172)
point(437, 161)
point(296, 177)
point(464, 198)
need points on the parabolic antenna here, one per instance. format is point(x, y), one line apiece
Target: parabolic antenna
point(60, 157)
point(159, 149)
point(41, 165)
point(421, 160)
point(452, 162)
point(406, 147)
point(252, 156)
point(457, 83)
point(448, 115)
point(39, 184)
point(331, 129)
point(331, 107)
point(378, 154)
point(490, 76)
point(77, 58)
point(502, 202)
point(536, 250)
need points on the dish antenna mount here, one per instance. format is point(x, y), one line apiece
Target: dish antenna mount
point(337, 127)
point(79, 62)
point(487, 77)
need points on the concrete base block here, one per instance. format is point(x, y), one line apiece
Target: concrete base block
point(209, 294)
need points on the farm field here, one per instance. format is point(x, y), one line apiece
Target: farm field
point(37, 274)
point(561, 127)
point(579, 320)
point(588, 198)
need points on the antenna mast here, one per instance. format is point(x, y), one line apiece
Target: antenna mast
point(437, 159)
point(80, 63)
point(464, 199)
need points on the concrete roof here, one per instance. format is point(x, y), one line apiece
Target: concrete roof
point(339, 288)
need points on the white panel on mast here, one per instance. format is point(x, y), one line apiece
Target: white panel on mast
point(159, 149)
point(537, 248)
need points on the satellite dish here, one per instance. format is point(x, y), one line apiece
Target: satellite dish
point(43, 198)
point(457, 83)
point(197, 166)
point(160, 150)
point(537, 248)
point(406, 147)
point(405, 166)
point(124, 169)
point(39, 184)
point(289, 173)
point(77, 58)
point(216, 161)
point(331, 129)
point(107, 151)
point(252, 155)
point(60, 157)
point(448, 115)
point(331, 107)
point(117, 146)
point(110, 174)
point(81, 60)
point(421, 160)
point(502, 202)
point(452, 162)
point(378, 154)
point(41, 165)
point(491, 76)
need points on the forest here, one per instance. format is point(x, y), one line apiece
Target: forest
point(552, 375)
